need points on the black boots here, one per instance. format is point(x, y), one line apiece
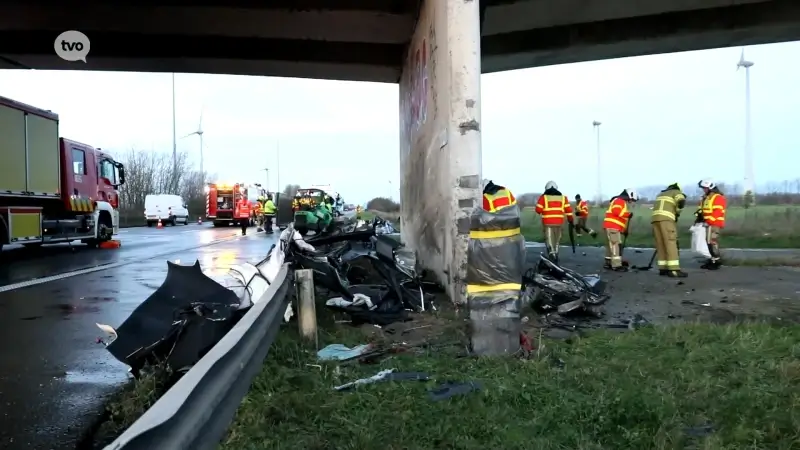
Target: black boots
point(677, 274)
point(711, 265)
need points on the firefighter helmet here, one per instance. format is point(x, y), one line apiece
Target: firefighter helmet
point(632, 195)
point(550, 185)
point(706, 184)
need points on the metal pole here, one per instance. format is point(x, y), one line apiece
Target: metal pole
point(174, 132)
point(202, 171)
point(596, 125)
point(750, 182)
point(278, 165)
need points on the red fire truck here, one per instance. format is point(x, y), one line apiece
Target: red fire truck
point(221, 198)
point(53, 189)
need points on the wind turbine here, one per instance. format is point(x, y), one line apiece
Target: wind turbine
point(749, 175)
point(199, 133)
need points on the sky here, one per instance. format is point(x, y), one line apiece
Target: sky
point(665, 118)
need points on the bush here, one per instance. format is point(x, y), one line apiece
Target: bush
point(383, 204)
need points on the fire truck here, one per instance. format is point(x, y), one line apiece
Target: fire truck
point(221, 198)
point(52, 189)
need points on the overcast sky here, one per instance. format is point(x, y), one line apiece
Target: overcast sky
point(665, 118)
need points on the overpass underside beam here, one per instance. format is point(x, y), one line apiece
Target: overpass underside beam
point(440, 137)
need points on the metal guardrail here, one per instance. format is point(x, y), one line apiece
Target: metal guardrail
point(195, 413)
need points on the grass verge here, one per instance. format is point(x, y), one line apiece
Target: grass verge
point(758, 227)
point(129, 404)
point(773, 261)
point(712, 386)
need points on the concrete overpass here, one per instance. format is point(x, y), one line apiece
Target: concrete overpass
point(435, 49)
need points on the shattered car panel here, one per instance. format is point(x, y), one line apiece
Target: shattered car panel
point(178, 323)
point(550, 286)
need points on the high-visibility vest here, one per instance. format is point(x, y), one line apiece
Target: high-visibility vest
point(583, 209)
point(243, 209)
point(714, 206)
point(269, 207)
point(617, 215)
point(553, 209)
point(666, 207)
point(503, 198)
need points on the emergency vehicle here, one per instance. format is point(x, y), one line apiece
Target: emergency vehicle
point(53, 190)
point(221, 198)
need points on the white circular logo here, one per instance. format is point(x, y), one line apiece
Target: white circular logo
point(72, 46)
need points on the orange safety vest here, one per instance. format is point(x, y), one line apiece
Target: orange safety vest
point(714, 210)
point(243, 209)
point(583, 209)
point(503, 198)
point(553, 209)
point(617, 216)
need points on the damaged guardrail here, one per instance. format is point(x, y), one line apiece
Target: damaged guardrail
point(195, 413)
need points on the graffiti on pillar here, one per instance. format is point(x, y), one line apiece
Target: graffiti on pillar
point(415, 89)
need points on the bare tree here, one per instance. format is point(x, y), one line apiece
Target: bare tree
point(148, 172)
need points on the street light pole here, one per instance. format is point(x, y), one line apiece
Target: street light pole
point(596, 126)
point(174, 132)
point(278, 165)
point(749, 175)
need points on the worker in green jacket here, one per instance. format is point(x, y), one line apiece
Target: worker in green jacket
point(269, 213)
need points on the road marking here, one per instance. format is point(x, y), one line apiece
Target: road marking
point(98, 268)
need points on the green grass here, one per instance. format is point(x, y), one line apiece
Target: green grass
point(124, 408)
point(638, 390)
point(757, 227)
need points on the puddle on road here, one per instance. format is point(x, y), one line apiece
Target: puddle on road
point(112, 377)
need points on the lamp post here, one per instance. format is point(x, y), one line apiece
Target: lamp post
point(596, 126)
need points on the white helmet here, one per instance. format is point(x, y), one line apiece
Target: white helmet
point(550, 185)
point(632, 195)
point(706, 183)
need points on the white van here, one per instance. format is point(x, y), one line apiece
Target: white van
point(171, 209)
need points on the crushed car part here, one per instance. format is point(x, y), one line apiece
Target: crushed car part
point(549, 287)
point(177, 324)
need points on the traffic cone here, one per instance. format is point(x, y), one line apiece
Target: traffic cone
point(160, 225)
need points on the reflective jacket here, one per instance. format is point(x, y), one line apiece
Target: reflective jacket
point(714, 205)
point(502, 198)
point(668, 205)
point(554, 206)
point(243, 209)
point(583, 209)
point(617, 215)
point(269, 207)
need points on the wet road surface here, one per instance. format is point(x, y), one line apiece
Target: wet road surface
point(22, 264)
point(54, 374)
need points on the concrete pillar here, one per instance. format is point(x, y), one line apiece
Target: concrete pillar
point(440, 138)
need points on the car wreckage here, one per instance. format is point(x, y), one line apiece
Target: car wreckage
point(365, 270)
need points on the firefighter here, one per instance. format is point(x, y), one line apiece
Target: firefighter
point(242, 213)
point(359, 210)
point(258, 209)
point(553, 206)
point(616, 224)
point(296, 202)
point(306, 202)
point(496, 197)
point(666, 211)
point(269, 213)
point(712, 215)
point(582, 212)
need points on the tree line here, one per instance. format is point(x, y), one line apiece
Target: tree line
point(149, 172)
